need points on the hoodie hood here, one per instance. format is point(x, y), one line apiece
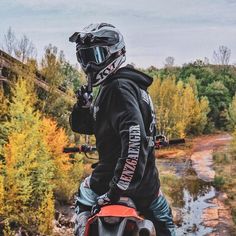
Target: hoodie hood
point(128, 72)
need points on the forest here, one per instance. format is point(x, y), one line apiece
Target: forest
point(197, 98)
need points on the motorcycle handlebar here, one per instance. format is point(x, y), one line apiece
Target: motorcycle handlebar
point(88, 149)
point(83, 148)
point(165, 143)
point(176, 141)
point(71, 149)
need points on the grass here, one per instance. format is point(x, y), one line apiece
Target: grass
point(225, 179)
point(222, 158)
point(219, 182)
point(234, 215)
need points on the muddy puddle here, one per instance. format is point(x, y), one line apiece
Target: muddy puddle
point(194, 200)
point(192, 212)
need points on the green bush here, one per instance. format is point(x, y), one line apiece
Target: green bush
point(221, 158)
point(234, 215)
point(219, 182)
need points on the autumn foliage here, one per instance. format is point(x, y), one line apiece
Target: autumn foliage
point(178, 109)
point(33, 168)
point(65, 172)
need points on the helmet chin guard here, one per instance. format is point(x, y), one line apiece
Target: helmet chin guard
point(108, 70)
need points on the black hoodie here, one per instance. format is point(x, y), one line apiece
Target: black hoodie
point(123, 121)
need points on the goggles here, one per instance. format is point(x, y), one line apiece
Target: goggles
point(95, 54)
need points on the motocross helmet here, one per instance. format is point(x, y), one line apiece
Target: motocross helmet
point(100, 50)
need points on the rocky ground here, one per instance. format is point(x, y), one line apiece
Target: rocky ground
point(64, 221)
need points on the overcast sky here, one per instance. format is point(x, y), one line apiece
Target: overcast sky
point(153, 29)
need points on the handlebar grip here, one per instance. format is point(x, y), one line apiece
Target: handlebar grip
point(86, 148)
point(71, 149)
point(176, 141)
point(83, 148)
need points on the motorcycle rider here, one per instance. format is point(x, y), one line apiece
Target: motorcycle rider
point(122, 119)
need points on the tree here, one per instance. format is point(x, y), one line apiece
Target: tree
point(206, 61)
point(178, 110)
point(56, 139)
point(199, 118)
point(25, 49)
point(232, 112)
point(3, 115)
point(2, 190)
point(9, 42)
point(72, 76)
point(27, 169)
point(64, 170)
point(169, 62)
point(51, 66)
point(214, 82)
point(222, 55)
point(219, 99)
point(52, 104)
point(45, 214)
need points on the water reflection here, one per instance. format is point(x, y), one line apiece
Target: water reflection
point(190, 194)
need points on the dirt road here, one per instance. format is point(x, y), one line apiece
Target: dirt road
point(203, 148)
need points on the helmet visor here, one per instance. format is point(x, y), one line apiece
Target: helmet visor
point(96, 54)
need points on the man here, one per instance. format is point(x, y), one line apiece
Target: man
point(123, 121)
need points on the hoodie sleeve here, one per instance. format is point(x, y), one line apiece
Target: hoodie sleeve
point(81, 120)
point(127, 121)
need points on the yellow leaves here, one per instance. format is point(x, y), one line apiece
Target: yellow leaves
point(56, 139)
point(7, 230)
point(177, 107)
point(65, 179)
point(34, 166)
point(65, 191)
point(1, 193)
point(22, 162)
point(27, 171)
point(21, 95)
point(45, 214)
point(21, 109)
point(15, 145)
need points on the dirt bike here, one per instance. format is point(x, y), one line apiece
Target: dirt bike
point(122, 218)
